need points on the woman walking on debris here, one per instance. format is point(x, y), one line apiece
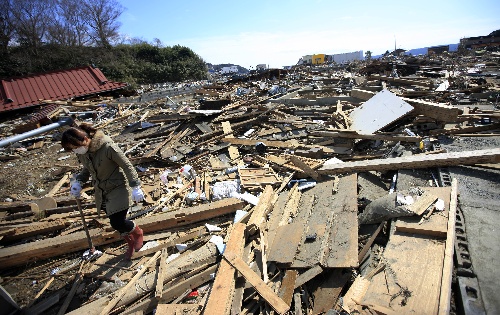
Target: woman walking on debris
point(113, 178)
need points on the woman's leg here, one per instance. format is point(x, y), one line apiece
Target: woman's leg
point(120, 223)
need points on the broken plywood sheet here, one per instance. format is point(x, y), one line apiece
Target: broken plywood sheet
point(411, 281)
point(285, 243)
point(378, 112)
point(330, 235)
point(342, 249)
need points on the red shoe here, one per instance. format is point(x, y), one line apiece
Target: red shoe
point(129, 238)
point(137, 234)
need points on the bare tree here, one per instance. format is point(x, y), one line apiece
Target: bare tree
point(103, 22)
point(69, 27)
point(6, 23)
point(32, 19)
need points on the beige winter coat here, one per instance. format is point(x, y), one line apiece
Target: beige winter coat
point(112, 173)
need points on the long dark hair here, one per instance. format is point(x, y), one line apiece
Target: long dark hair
point(75, 136)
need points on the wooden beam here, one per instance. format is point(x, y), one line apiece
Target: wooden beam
point(221, 295)
point(260, 211)
point(24, 253)
point(369, 243)
point(269, 143)
point(354, 135)
point(304, 167)
point(288, 286)
point(326, 295)
point(414, 161)
point(107, 309)
point(445, 295)
point(308, 275)
point(161, 273)
point(264, 291)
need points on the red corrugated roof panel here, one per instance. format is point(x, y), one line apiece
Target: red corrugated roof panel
point(28, 91)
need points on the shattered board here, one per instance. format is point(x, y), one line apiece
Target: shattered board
point(378, 112)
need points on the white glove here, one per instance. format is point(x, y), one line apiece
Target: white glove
point(137, 194)
point(76, 189)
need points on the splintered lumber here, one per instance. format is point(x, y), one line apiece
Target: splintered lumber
point(308, 275)
point(264, 291)
point(369, 243)
point(177, 267)
point(354, 135)
point(55, 246)
point(304, 167)
point(286, 240)
point(261, 209)
point(342, 248)
point(35, 229)
point(422, 203)
point(434, 225)
point(234, 154)
point(445, 296)
point(414, 161)
point(326, 295)
point(184, 309)
point(221, 295)
point(193, 280)
point(161, 273)
point(116, 298)
point(330, 223)
point(288, 286)
point(269, 143)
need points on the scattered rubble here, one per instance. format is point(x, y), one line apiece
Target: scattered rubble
point(306, 191)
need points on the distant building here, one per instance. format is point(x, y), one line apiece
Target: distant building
point(261, 67)
point(437, 50)
point(307, 60)
point(345, 57)
point(318, 59)
point(231, 69)
point(491, 40)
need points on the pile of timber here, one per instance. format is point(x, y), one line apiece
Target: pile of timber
point(288, 237)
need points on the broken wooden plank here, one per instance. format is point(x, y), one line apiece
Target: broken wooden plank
point(23, 253)
point(173, 309)
point(269, 143)
point(304, 167)
point(117, 296)
point(261, 209)
point(341, 250)
point(369, 243)
point(327, 293)
point(288, 286)
point(352, 134)
point(422, 203)
point(414, 161)
point(445, 296)
point(308, 275)
point(286, 240)
point(221, 295)
point(161, 273)
point(185, 262)
point(264, 291)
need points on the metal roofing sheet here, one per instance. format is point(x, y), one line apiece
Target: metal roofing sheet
point(28, 91)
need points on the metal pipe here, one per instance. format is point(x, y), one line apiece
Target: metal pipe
point(62, 122)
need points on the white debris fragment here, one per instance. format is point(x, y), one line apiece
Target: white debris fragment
point(239, 215)
point(219, 242)
point(212, 228)
point(439, 205)
point(149, 245)
point(181, 247)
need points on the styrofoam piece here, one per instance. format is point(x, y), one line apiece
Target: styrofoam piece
point(440, 205)
point(212, 228)
point(181, 247)
point(219, 242)
point(239, 214)
point(149, 245)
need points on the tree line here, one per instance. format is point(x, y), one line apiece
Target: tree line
point(44, 35)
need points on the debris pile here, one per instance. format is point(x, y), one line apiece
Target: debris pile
point(308, 191)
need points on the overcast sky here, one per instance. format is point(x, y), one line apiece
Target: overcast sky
point(279, 32)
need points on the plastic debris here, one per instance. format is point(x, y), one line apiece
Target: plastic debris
point(219, 242)
point(212, 228)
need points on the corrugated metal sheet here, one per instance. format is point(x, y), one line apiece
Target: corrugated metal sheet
point(57, 85)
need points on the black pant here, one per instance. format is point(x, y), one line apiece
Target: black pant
point(119, 222)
